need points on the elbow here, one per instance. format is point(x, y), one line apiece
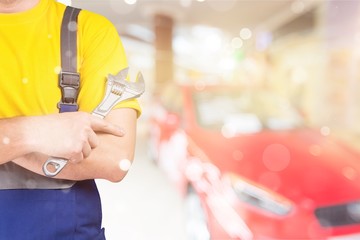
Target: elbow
point(117, 176)
point(120, 170)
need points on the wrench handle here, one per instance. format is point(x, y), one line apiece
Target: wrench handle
point(57, 163)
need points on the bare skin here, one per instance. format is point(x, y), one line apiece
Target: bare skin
point(13, 6)
point(103, 161)
point(69, 135)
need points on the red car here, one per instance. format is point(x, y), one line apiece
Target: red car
point(248, 168)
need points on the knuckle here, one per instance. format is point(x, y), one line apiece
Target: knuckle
point(76, 149)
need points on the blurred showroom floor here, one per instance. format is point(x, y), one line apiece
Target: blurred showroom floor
point(144, 206)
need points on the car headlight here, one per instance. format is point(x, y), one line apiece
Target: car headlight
point(259, 197)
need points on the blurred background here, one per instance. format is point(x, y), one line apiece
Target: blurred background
point(306, 51)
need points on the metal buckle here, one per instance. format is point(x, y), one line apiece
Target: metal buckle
point(69, 83)
point(72, 81)
point(66, 107)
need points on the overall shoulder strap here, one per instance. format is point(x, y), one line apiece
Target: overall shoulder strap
point(15, 177)
point(69, 78)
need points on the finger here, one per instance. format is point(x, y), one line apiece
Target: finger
point(86, 150)
point(93, 139)
point(101, 125)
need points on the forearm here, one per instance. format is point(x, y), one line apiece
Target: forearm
point(13, 144)
point(104, 161)
point(103, 167)
point(65, 135)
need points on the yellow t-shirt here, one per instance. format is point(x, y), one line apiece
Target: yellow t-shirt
point(30, 60)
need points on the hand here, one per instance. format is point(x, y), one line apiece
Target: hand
point(67, 135)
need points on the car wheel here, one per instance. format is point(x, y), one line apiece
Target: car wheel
point(196, 222)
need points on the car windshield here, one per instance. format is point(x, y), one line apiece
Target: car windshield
point(236, 112)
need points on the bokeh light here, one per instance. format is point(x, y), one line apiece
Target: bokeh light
point(130, 2)
point(72, 26)
point(276, 157)
point(57, 69)
point(6, 140)
point(237, 42)
point(325, 131)
point(350, 173)
point(245, 33)
point(125, 164)
point(315, 150)
point(25, 80)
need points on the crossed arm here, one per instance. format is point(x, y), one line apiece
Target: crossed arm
point(93, 146)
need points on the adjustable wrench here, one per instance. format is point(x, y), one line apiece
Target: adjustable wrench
point(117, 90)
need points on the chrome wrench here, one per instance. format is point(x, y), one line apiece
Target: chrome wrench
point(118, 89)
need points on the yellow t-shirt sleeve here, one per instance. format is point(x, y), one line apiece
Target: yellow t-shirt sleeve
point(100, 53)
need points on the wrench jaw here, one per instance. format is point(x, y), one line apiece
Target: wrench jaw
point(111, 79)
point(136, 88)
point(122, 75)
point(119, 89)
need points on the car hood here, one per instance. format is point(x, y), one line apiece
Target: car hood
point(301, 165)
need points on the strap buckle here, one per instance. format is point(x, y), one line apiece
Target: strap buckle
point(69, 83)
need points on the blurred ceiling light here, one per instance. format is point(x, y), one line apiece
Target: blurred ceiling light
point(130, 2)
point(182, 45)
point(200, 0)
point(200, 47)
point(298, 6)
point(213, 42)
point(140, 32)
point(185, 3)
point(208, 38)
point(121, 7)
point(66, 2)
point(199, 31)
point(237, 42)
point(227, 65)
point(245, 33)
point(222, 6)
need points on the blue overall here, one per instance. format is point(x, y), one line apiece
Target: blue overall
point(59, 214)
